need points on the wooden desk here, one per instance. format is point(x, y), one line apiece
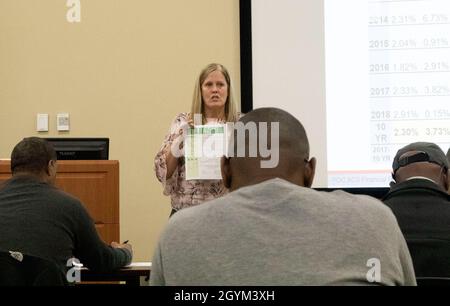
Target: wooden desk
point(137, 274)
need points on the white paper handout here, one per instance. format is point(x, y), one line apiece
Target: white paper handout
point(204, 147)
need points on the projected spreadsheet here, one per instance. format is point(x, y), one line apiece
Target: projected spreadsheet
point(407, 82)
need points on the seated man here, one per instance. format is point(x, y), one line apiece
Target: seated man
point(38, 219)
point(272, 229)
point(420, 201)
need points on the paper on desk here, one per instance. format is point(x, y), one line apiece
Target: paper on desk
point(140, 264)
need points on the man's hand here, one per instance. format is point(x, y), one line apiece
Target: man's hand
point(122, 246)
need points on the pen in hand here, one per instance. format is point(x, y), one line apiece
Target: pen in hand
point(123, 245)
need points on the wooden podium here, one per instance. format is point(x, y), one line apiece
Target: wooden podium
point(96, 184)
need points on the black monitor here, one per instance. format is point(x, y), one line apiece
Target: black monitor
point(80, 148)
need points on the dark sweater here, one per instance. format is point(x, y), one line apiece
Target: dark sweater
point(41, 220)
point(422, 209)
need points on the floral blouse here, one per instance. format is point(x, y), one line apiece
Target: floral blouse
point(184, 193)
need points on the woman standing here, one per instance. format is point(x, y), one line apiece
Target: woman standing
point(213, 99)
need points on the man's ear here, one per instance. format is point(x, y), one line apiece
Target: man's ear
point(310, 171)
point(51, 168)
point(393, 182)
point(48, 171)
point(225, 169)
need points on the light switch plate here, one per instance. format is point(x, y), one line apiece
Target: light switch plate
point(62, 122)
point(42, 122)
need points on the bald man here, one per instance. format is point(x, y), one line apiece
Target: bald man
point(272, 229)
point(420, 201)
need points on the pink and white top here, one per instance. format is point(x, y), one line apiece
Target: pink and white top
point(184, 193)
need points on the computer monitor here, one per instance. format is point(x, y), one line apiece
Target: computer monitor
point(80, 148)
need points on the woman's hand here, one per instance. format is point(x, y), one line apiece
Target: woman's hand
point(176, 149)
point(190, 121)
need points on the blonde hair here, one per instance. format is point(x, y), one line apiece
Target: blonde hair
point(231, 112)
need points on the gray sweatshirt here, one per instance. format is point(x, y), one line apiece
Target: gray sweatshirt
point(277, 233)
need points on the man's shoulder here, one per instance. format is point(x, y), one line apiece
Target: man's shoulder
point(278, 189)
point(345, 201)
point(413, 187)
point(358, 198)
point(61, 197)
point(38, 188)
